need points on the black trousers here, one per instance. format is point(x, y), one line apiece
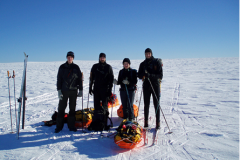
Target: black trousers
point(127, 103)
point(100, 95)
point(72, 96)
point(147, 92)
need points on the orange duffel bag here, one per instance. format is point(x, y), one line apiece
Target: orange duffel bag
point(120, 111)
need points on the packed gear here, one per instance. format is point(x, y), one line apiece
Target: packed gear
point(53, 121)
point(129, 134)
point(99, 122)
point(86, 116)
point(120, 111)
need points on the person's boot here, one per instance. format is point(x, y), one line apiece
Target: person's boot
point(73, 129)
point(145, 123)
point(57, 130)
point(157, 125)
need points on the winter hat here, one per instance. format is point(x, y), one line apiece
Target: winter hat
point(126, 60)
point(148, 50)
point(102, 55)
point(70, 53)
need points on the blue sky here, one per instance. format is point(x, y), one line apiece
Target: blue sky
point(47, 29)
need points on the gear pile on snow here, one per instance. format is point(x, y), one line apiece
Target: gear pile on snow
point(82, 118)
point(129, 134)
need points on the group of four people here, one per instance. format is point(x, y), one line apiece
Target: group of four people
point(69, 86)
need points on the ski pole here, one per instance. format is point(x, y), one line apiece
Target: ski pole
point(88, 101)
point(112, 103)
point(82, 104)
point(131, 107)
point(15, 95)
point(159, 106)
point(9, 76)
point(139, 102)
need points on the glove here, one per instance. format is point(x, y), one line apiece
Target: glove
point(80, 93)
point(125, 82)
point(115, 81)
point(90, 91)
point(60, 95)
point(146, 74)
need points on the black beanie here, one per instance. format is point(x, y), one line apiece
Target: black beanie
point(148, 50)
point(126, 60)
point(70, 53)
point(102, 55)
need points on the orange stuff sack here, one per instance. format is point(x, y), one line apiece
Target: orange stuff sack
point(120, 111)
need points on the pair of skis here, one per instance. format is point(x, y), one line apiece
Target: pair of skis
point(154, 137)
point(22, 99)
point(13, 76)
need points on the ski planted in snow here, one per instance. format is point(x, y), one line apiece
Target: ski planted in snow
point(155, 136)
point(145, 135)
point(22, 96)
point(13, 76)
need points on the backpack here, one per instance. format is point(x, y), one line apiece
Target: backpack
point(99, 122)
point(158, 60)
point(53, 121)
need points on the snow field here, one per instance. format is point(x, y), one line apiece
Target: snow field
point(199, 98)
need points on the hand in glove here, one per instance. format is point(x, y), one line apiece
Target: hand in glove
point(125, 82)
point(146, 74)
point(60, 95)
point(115, 81)
point(80, 93)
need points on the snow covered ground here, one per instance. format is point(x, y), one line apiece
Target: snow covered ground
point(200, 100)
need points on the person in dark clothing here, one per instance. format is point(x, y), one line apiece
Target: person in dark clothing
point(127, 78)
point(100, 85)
point(150, 71)
point(69, 81)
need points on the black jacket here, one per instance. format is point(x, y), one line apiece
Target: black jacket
point(154, 70)
point(69, 77)
point(129, 74)
point(102, 76)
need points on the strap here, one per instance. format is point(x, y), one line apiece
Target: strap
point(69, 73)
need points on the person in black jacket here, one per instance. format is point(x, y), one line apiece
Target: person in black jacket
point(127, 78)
point(150, 71)
point(69, 81)
point(100, 85)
